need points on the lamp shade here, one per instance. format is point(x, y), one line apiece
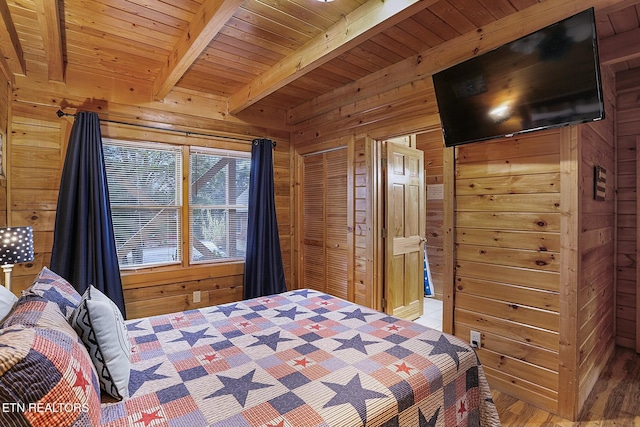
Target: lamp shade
point(16, 245)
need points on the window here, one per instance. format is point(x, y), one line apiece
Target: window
point(145, 182)
point(145, 194)
point(218, 201)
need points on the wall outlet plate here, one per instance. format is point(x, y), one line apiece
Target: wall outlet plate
point(475, 339)
point(196, 297)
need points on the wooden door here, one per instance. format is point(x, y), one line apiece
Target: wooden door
point(324, 223)
point(405, 231)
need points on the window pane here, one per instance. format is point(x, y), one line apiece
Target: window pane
point(219, 187)
point(209, 180)
point(142, 176)
point(147, 236)
point(144, 190)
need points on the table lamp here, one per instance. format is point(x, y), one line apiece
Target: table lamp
point(16, 246)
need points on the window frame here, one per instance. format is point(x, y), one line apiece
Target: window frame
point(184, 190)
point(234, 154)
point(178, 206)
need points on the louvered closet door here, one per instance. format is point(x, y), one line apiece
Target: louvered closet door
point(324, 227)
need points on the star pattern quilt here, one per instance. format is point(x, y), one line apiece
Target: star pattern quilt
point(298, 359)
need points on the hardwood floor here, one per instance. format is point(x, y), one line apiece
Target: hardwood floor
point(614, 401)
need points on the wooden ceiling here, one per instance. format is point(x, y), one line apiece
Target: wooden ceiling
point(268, 53)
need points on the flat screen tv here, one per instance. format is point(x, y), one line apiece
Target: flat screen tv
point(547, 79)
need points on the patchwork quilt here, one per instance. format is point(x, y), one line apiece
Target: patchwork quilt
point(301, 358)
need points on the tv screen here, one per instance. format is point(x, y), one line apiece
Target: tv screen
point(547, 79)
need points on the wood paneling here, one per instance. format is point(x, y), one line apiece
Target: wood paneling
point(432, 145)
point(508, 274)
point(628, 145)
point(595, 290)
point(365, 263)
point(5, 91)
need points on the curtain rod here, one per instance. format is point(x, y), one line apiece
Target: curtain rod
point(61, 113)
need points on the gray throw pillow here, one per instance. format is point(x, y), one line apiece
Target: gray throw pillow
point(100, 325)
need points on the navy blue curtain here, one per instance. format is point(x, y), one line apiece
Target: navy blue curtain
point(263, 268)
point(84, 246)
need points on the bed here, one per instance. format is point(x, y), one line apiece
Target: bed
point(300, 358)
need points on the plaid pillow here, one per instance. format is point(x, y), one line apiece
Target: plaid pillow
point(34, 311)
point(47, 378)
point(51, 287)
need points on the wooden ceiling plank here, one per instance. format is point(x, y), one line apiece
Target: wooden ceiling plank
point(371, 18)
point(408, 35)
point(10, 42)
point(129, 10)
point(246, 48)
point(260, 41)
point(300, 19)
point(621, 47)
point(474, 11)
point(113, 44)
point(116, 26)
point(166, 8)
point(617, 6)
point(208, 21)
point(49, 19)
point(624, 20)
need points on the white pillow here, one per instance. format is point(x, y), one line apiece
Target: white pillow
point(100, 325)
point(7, 301)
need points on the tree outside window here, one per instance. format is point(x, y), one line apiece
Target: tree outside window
point(218, 201)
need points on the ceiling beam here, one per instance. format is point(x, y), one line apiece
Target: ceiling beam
point(49, 19)
point(366, 21)
point(619, 48)
point(10, 42)
point(206, 23)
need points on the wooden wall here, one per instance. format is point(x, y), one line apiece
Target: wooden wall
point(37, 145)
point(628, 144)
point(507, 279)
point(596, 250)
point(432, 145)
point(5, 96)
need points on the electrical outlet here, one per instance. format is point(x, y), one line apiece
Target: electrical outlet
point(475, 339)
point(196, 297)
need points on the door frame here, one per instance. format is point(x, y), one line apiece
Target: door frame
point(376, 151)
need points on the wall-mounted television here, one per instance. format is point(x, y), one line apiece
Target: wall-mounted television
point(547, 79)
